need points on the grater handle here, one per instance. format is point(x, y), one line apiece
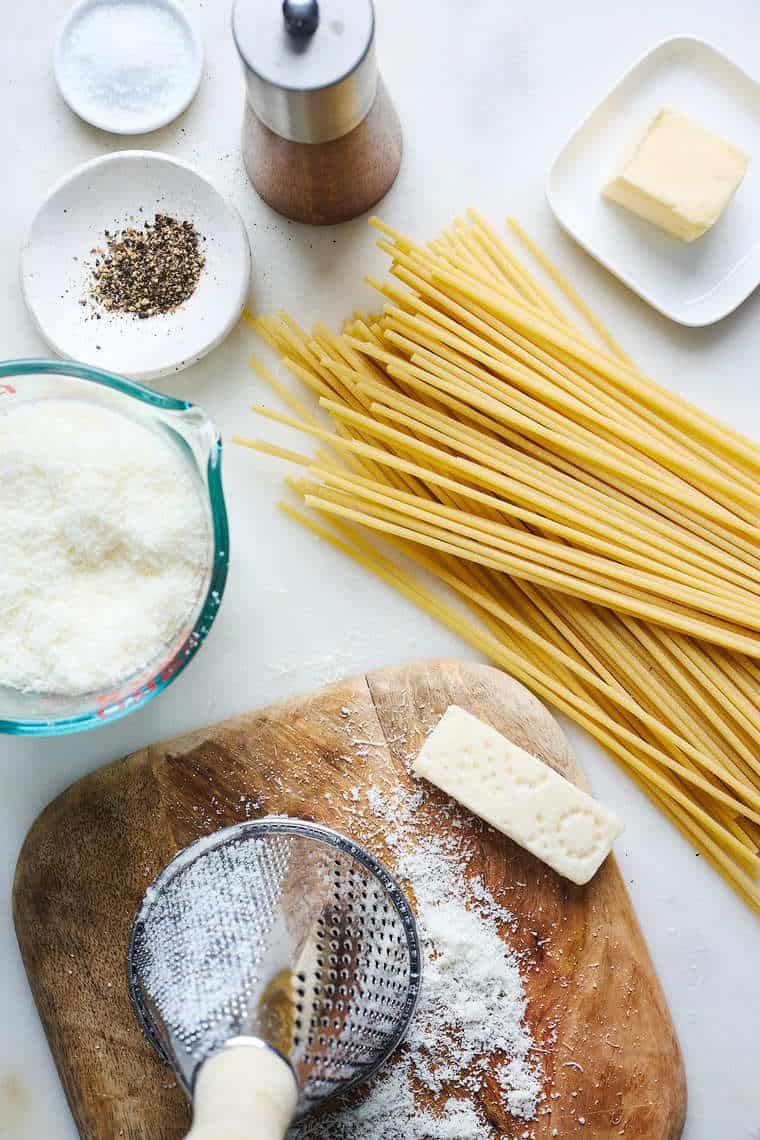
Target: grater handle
point(243, 1092)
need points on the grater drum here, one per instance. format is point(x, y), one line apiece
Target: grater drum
point(272, 964)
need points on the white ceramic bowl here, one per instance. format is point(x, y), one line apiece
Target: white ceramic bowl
point(74, 73)
point(109, 193)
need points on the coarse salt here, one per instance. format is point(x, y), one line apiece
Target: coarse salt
point(130, 62)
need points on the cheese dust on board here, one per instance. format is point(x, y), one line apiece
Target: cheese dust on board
point(472, 1006)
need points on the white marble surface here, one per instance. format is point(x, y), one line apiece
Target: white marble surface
point(488, 91)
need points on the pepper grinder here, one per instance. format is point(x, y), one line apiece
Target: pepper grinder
point(321, 138)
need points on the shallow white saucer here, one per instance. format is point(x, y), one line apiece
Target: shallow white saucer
point(695, 283)
point(74, 73)
point(130, 187)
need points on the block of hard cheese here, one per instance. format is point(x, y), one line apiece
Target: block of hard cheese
point(678, 175)
point(518, 794)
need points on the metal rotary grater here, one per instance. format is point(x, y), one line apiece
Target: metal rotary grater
point(283, 934)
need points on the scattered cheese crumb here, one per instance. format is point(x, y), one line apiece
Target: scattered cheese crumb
point(472, 1005)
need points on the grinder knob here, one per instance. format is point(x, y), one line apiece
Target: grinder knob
point(301, 16)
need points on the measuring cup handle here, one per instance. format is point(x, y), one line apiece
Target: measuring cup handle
point(244, 1092)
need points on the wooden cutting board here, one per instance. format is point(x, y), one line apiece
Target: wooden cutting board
point(615, 1069)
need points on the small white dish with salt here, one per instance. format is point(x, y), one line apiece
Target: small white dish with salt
point(128, 66)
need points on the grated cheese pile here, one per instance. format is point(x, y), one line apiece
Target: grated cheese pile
point(103, 546)
point(472, 1005)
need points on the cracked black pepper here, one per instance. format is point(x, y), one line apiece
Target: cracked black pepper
point(148, 271)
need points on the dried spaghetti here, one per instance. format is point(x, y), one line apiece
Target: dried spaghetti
point(600, 529)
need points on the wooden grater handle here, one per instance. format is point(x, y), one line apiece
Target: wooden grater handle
point(243, 1092)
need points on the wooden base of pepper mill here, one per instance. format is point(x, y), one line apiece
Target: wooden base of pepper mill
point(325, 183)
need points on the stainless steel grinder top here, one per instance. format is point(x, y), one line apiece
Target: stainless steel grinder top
point(309, 65)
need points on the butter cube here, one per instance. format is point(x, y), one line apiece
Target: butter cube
point(678, 175)
point(518, 794)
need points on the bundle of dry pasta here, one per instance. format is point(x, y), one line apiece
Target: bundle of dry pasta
point(599, 530)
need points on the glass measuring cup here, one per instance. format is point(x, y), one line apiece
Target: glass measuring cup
point(188, 429)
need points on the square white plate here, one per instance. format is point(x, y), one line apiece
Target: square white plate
point(696, 283)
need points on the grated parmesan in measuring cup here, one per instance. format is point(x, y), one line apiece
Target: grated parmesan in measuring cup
point(104, 546)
